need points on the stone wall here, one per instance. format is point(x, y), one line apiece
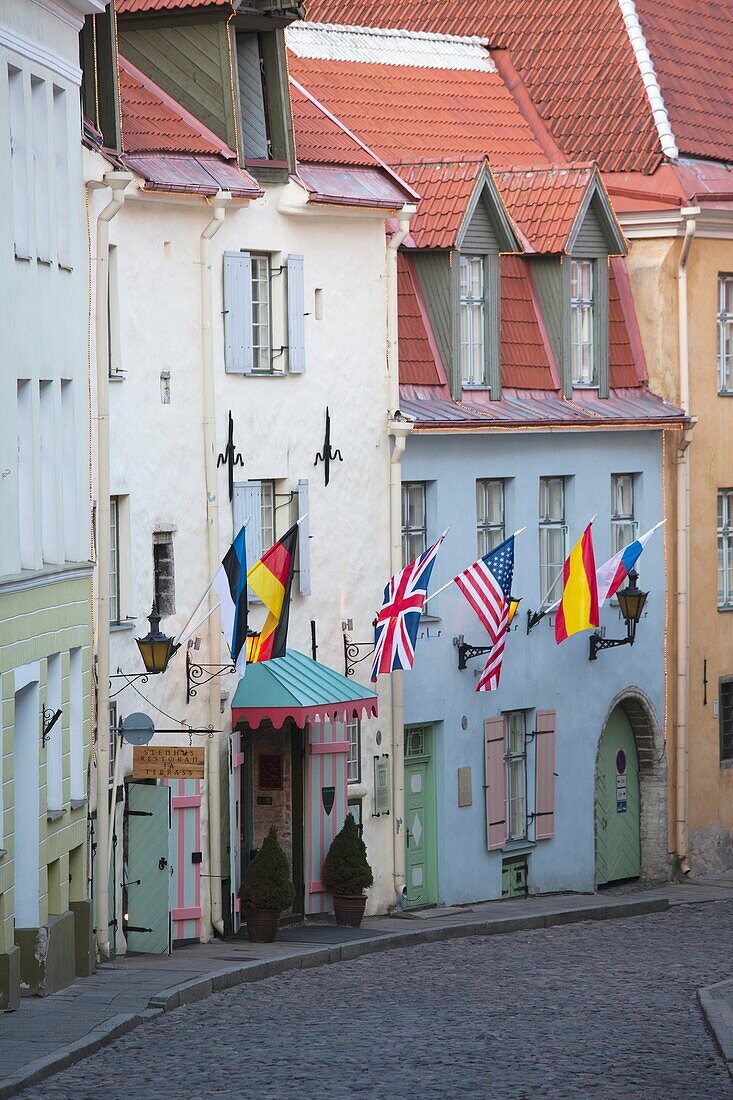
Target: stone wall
point(280, 810)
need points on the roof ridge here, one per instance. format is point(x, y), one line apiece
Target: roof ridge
point(632, 25)
point(395, 32)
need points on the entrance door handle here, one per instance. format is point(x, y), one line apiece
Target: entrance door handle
point(407, 838)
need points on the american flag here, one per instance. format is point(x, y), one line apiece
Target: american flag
point(487, 585)
point(399, 618)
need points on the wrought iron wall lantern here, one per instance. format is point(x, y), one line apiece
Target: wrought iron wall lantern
point(156, 648)
point(49, 718)
point(631, 601)
point(467, 652)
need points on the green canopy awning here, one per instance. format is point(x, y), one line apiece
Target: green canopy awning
point(296, 688)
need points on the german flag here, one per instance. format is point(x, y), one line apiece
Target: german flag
point(271, 579)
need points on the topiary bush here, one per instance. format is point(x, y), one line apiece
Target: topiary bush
point(346, 869)
point(268, 882)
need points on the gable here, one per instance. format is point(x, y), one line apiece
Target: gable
point(590, 239)
point(596, 231)
point(480, 235)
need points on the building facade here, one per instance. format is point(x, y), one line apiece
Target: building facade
point(45, 571)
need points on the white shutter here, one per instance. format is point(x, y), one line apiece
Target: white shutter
point(247, 508)
point(238, 352)
point(296, 316)
point(304, 546)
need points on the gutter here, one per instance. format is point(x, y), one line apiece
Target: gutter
point(683, 552)
point(214, 749)
point(117, 181)
point(398, 429)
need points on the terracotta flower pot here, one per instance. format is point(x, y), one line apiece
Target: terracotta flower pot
point(349, 909)
point(261, 924)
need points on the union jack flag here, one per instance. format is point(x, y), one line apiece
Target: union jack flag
point(487, 585)
point(395, 635)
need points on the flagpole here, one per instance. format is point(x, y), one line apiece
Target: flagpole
point(179, 640)
point(200, 623)
point(450, 582)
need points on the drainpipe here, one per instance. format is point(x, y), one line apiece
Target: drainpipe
point(117, 181)
point(683, 550)
point(398, 430)
point(219, 204)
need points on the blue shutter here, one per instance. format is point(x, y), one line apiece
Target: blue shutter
point(238, 353)
point(304, 546)
point(247, 508)
point(296, 316)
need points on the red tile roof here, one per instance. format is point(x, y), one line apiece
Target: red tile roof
point(690, 47)
point(544, 203)
point(153, 122)
point(574, 56)
point(627, 365)
point(418, 352)
point(445, 188)
point(526, 359)
point(123, 6)
point(407, 113)
point(319, 138)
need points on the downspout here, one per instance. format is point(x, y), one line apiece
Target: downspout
point(219, 204)
point(398, 430)
point(117, 181)
point(683, 551)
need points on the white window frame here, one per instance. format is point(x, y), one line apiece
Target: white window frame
point(725, 324)
point(472, 321)
point(515, 764)
point(548, 523)
point(623, 518)
point(725, 549)
point(352, 729)
point(582, 313)
point(114, 741)
point(261, 286)
point(490, 531)
point(725, 704)
point(414, 535)
point(114, 560)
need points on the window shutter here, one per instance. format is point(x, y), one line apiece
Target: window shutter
point(496, 827)
point(296, 316)
point(247, 506)
point(544, 809)
point(238, 352)
point(304, 546)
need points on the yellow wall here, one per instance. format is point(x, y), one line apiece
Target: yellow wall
point(653, 271)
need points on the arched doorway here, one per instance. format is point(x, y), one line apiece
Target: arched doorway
point(631, 793)
point(618, 802)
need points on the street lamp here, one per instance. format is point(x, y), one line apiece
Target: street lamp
point(631, 601)
point(156, 648)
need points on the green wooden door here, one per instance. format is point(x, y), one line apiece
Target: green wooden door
point(149, 868)
point(420, 838)
point(618, 847)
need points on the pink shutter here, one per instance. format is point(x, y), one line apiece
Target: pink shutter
point(544, 809)
point(496, 826)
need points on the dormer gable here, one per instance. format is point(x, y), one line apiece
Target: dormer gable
point(595, 231)
point(486, 226)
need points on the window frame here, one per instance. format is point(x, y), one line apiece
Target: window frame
point(547, 523)
point(723, 317)
point(353, 756)
point(114, 550)
point(511, 756)
point(580, 307)
point(622, 521)
point(725, 682)
point(255, 259)
point(484, 526)
point(468, 304)
point(725, 544)
point(407, 531)
point(114, 746)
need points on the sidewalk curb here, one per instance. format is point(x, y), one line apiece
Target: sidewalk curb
point(716, 1005)
point(197, 989)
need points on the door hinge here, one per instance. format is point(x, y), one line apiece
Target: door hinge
point(134, 928)
point(139, 813)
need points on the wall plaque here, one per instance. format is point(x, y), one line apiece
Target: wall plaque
point(167, 762)
point(465, 794)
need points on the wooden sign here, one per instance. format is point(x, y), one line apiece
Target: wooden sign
point(167, 762)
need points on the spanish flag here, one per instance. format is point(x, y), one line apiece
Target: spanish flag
point(578, 608)
point(271, 579)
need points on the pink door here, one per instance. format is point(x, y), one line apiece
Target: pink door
point(325, 808)
point(185, 899)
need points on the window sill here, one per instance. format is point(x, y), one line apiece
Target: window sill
point(117, 376)
point(54, 815)
point(586, 386)
point(78, 803)
point(431, 619)
point(726, 765)
point(122, 625)
point(268, 374)
point(725, 393)
point(725, 610)
point(483, 386)
point(516, 847)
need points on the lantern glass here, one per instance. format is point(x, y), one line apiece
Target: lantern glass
point(252, 643)
point(631, 600)
point(156, 648)
point(513, 608)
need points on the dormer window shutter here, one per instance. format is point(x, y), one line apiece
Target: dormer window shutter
point(238, 351)
point(296, 315)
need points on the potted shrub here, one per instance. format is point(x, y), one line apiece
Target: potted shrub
point(346, 873)
point(267, 889)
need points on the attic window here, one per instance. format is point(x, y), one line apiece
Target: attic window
point(581, 323)
point(253, 97)
point(472, 321)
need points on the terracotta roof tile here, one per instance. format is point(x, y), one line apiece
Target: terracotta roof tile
point(417, 354)
point(408, 113)
point(153, 122)
point(627, 367)
point(445, 188)
point(123, 6)
point(544, 203)
point(320, 139)
point(525, 354)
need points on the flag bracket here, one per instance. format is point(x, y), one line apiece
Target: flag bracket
point(197, 675)
point(598, 643)
point(467, 652)
point(533, 618)
point(353, 655)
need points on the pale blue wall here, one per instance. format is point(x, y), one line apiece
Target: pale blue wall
point(537, 673)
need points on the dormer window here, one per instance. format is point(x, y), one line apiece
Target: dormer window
point(472, 321)
point(581, 323)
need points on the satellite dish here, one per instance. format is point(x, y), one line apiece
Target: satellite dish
point(138, 729)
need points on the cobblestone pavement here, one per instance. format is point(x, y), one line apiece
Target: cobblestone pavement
point(600, 1009)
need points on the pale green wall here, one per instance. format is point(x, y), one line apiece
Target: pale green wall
point(35, 623)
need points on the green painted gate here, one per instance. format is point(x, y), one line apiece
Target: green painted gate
point(617, 811)
point(420, 837)
point(149, 868)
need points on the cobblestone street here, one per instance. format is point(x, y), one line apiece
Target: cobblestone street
point(601, 1009)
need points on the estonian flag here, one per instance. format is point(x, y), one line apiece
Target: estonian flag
point(230, 585)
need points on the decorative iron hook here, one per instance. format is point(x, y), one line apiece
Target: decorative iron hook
point(328, 455)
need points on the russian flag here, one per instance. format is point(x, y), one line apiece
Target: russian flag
point(611, 575)
point(230, 585)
